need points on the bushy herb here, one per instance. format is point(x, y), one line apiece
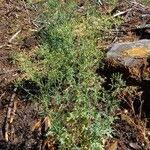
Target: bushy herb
point(64, 68)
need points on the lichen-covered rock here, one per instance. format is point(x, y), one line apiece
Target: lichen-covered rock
point(133, 57)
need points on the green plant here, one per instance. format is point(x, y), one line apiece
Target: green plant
point(64, 69)
point(146, 2)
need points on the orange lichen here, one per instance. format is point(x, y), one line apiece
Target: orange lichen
point(137, 52)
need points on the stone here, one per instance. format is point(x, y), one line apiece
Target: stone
point(132, 58)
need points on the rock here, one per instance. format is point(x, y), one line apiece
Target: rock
point(132, 58)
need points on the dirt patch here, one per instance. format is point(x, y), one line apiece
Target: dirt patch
point(20, 131)
point(16, 34)
point(15, 27)
point(124, 132)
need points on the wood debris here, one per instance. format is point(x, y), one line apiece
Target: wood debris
point(10, 115)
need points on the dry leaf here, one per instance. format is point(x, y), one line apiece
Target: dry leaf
point(113, 146)
point(135, 146)
point(37, 126)
point(46, 123)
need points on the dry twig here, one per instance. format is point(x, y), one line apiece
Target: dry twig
point(10, 114)
point(122, 12)
point(11, 39)
point(8, 71)
point(14, 36)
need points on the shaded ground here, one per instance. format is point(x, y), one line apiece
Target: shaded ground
point(16, 34)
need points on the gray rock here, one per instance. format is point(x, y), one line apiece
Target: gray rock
point(132, 57)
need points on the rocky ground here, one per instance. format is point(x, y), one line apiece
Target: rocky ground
point(21, 126)
point(129, 54)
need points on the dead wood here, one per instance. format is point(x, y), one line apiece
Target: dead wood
point(10, 114)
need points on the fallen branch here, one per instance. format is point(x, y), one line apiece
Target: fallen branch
point(10, 114)
point(12, 130)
